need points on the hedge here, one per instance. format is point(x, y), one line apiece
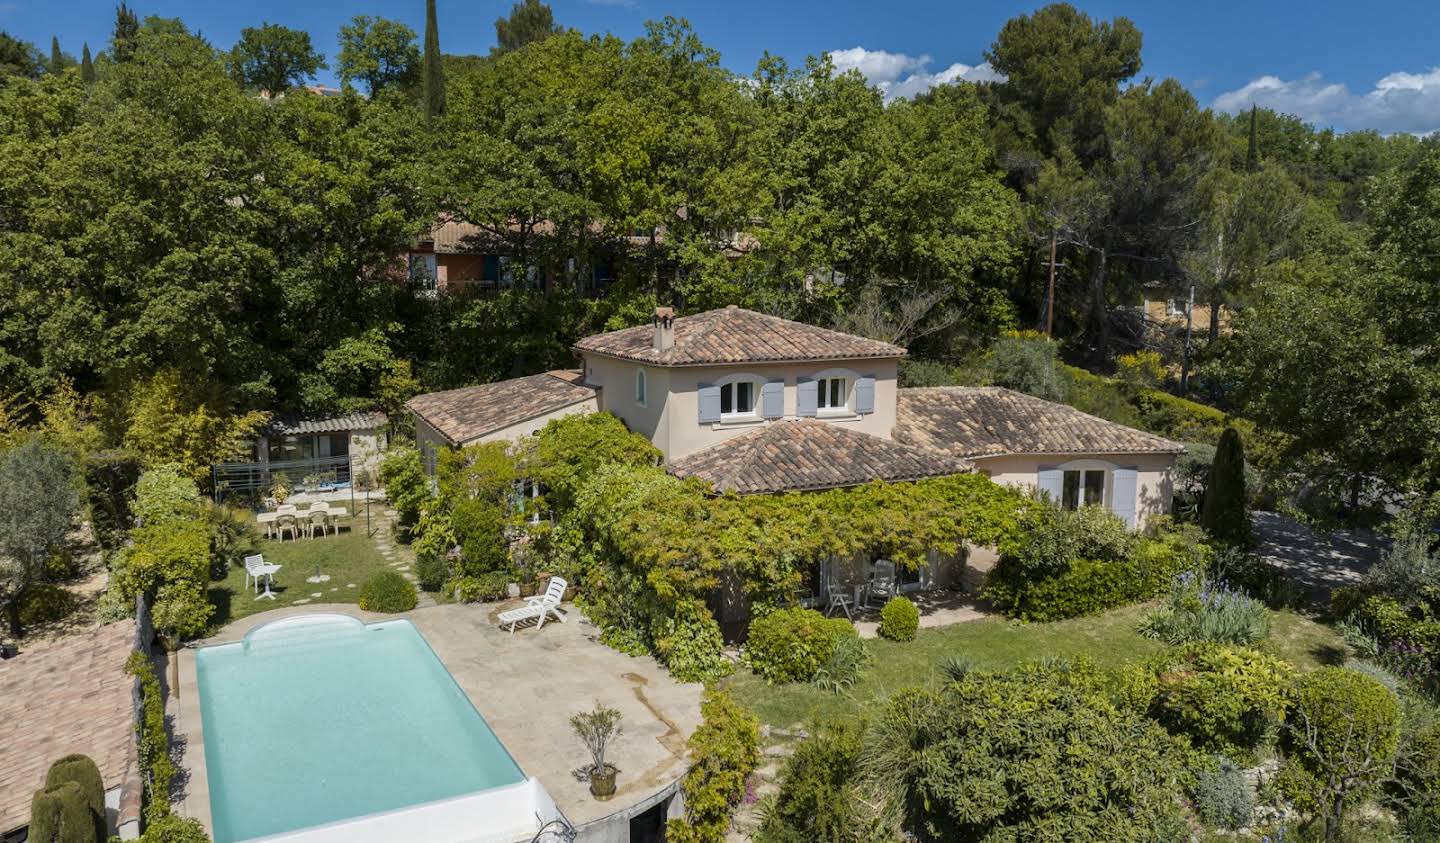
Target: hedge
point(1087, 586)
point(387, 591)
point(156, 768)
point(791, 645)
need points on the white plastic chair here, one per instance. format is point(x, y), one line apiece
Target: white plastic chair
point(318, 520)
point(251, 564)
point(539, 606)
point(287, 523)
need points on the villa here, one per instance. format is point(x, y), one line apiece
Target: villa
point(756, 404)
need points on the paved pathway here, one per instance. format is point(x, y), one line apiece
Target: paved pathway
point(400, 556)
point(1317, 562)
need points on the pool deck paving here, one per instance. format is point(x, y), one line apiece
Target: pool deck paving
point(527, 686)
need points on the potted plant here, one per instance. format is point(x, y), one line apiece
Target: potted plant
point(596, 729)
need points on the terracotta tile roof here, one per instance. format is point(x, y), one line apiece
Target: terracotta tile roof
point(806, 454)
point(461, 415)
point(735, 335)
point(291, 425)
point(70, 696)
point(991, 421)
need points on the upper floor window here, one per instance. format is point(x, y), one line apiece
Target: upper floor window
point(737, 399)
point(833, 394)
point(640, 387)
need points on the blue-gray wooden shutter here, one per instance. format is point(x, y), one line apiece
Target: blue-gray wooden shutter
point(1122, 495)
point(772, 399)
point(1051, 483)
point(709, 403)
point(865, 394)
point(806, 397)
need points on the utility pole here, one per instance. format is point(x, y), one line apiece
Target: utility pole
point(1189, 323)
point(1050, 299)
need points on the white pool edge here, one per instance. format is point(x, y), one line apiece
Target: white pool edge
point(509, 814)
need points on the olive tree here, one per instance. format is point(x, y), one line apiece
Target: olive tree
point(38, 502)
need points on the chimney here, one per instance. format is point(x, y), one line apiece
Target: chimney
point(664, 322)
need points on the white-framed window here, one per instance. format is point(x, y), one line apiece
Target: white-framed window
point(640, 387)
point(832, 394)
point(1083, 487)
point(737, 400)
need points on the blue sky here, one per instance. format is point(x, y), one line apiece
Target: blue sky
point(1343, 64)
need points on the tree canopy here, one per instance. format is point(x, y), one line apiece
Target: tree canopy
point(274, 58)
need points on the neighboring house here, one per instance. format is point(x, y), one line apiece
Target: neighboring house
point(455, 255)
point(755, 404)
point(1164, 306)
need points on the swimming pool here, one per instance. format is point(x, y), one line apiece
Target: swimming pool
point(316, 720)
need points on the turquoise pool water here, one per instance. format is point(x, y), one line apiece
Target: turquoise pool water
point(322, 718)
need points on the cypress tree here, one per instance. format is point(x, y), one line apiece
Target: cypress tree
point(434, 72)
point(87, 68)
point(1252, 156)
point(1223, 513)
point(57, 59)
point(81, 770)
point(127, 26)
point(59, 814)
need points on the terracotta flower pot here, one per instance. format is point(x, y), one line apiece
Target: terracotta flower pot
point(602, 782)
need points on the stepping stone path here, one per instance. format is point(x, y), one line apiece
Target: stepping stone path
point(400, 557)
point(777, 746)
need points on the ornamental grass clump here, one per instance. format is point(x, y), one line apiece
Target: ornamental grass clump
point(1202, 609)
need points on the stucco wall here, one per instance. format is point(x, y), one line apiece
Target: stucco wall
point(674, 426)
point(1154, 476)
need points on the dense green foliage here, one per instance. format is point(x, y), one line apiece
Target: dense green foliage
point(724, 751)
point(1223, 698)
point(1071, 563)
point(59, 813)
point(81, 770)
point(153, 740)
point(816, 801)
point(899, 619)
point(791, 645)
point(1224, 513)
point(38, 505)
point(44, 603)
point(387, 591)
point(1343, 736)
point(1018, 756)
point(174, 829)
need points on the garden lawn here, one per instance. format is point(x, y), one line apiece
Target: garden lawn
point(349, 557)
point(1108, 639)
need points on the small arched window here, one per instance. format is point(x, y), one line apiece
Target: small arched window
point(640, 387)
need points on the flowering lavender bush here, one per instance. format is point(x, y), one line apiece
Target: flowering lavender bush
point(1203, 609)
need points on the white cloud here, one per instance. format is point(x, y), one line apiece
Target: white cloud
point(901, 75)
point(1399, 102)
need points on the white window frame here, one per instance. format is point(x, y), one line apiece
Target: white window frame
point(641, 388)
point(728, 382)
point(1107, 470)
point(845, 409)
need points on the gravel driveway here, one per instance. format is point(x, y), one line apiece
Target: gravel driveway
point(1317, 562)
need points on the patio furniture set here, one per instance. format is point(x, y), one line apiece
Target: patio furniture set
point(320, 517)
point(880, 584)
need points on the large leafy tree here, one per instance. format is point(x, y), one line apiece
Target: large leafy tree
point(18, 58)
point(274, 58)
point(38, 504)
point(379, 52)
point(529, 21)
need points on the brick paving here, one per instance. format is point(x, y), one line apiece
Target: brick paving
point(69, 696)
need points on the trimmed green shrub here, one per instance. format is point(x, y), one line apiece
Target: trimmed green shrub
point(1341, 741)
point(431, 572)
point(173, 829)
point(45, 602)
point(689, 643)
point(816, 802)
point(387, 591)
point(791, 645)
point(1002, 757)
point(82, 770)
point(899, 619)
point(59, 814)
point(154, 741)
point(1223, 511)
point(1225, 699)
point(1222, 796)
point(726, 750)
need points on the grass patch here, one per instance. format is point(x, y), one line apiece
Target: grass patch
point(1109, 639)
point(349, 557)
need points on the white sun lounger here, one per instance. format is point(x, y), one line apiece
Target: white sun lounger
point(538, 606)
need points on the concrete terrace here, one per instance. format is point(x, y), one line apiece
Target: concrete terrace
point(526, 686)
